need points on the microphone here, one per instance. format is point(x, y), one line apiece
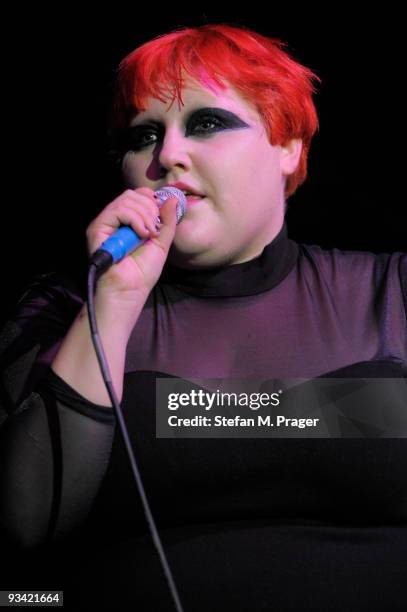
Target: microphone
point(125, 240)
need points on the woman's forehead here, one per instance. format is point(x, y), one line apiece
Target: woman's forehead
point(196, 95)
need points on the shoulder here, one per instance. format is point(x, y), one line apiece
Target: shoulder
point(356, 275)
point(51, 292)
point(47, 305)
point(354, 261)
point(352, 266)
point(31, 336)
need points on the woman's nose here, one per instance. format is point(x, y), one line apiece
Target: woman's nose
point(174, 151)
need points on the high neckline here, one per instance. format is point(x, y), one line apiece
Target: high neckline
point(260, 274)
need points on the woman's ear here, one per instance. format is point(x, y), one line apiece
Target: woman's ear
point(290, 156)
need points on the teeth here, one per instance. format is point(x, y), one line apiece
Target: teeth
point(189, 193)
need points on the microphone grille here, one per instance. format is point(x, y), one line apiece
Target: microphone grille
point(168, 192)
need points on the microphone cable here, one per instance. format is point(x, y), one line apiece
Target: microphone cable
point(101, 356)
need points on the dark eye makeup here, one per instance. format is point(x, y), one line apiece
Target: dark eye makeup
point(202, 122)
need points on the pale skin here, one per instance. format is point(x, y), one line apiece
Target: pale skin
point(242, 177)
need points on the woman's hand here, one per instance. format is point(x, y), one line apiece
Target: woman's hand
point(139, 271)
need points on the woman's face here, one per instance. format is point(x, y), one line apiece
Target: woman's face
point(215, 144)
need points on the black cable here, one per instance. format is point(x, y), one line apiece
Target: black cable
point(93, 269)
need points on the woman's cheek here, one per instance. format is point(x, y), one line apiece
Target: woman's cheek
point(208, 220)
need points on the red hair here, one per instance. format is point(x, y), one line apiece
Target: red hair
point(256, 66)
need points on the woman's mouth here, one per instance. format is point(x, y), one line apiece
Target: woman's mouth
point(194, 199)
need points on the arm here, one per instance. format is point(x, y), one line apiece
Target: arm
point(53, 449)
point(55, 444)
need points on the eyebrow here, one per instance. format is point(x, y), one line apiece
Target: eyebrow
point(221, 112)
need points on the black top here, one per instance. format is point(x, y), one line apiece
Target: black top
point(248, 524)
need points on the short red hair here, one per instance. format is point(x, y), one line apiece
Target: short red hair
point(256, 66)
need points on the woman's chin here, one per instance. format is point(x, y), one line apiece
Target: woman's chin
point(193, 239)
point(188, 252)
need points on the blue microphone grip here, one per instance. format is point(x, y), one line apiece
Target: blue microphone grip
point(122, 242)
point(125, 240)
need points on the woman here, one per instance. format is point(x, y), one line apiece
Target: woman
point(225, 114)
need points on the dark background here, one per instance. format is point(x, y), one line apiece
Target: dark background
point(58, 70)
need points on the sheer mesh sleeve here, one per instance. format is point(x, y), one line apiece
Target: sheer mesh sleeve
point(403, 279)
point(54, 444)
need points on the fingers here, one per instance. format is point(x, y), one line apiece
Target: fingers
point(143, 224)
point(140, 210)
point(168, 211)
point(135, 208)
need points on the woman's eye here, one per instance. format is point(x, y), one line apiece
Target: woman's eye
point(143, 139)
point(138, 138)
point(207, 124)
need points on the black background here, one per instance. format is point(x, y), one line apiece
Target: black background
point(58, 69)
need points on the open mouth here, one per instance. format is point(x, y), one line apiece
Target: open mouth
point(194, 195)
point(193, 198)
